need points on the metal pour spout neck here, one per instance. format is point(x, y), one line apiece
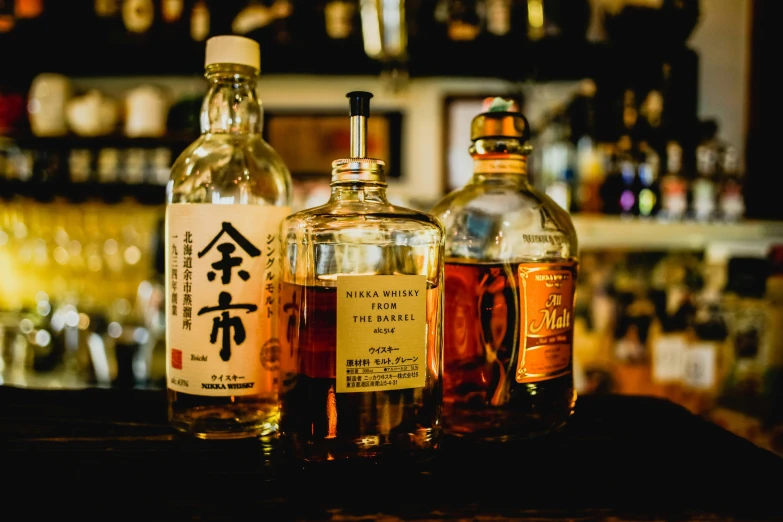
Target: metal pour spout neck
point(358, 167)
point(360, 112)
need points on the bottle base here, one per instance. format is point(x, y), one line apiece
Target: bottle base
point(217, 435)
point(223, 424)
point(500, 426)
point(519, 419)
point(416, 448)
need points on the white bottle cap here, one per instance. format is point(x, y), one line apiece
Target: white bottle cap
point(233, 49)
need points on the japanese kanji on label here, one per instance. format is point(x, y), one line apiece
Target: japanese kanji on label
point(223, 285)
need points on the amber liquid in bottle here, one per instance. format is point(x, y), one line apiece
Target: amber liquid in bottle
point(325, 424)
point(481, 342)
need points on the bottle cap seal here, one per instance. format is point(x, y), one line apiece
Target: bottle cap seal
point(233, 49)
point(358, 169)
point(504, 123)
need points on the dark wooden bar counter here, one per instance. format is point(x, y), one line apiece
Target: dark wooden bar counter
point(110, 455)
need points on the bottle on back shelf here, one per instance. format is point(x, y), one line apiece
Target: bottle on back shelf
point(674, 308)
point(731, 200)
point(590, 157)
point(621, 186)
point(228, 192)
point(341, 19)
point(746, 310)
point(511, 270)
point(465, 19)
point(674, 186)
point(649, 195)
point(705, 356)
point(362, 341)
point(704, 193)
point(772, 383)
point(200, 21)
point(628, 165)
point(556, 161)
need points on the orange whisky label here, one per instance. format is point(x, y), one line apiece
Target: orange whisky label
point(501, 164)
point(547, 295)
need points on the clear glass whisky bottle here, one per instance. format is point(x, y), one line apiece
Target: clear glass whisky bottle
point(227, 195)
point(360, 319)
point(511, 269)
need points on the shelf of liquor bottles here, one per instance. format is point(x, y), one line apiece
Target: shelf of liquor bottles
point(453, 38)
point(76, 169)
point(539, 61)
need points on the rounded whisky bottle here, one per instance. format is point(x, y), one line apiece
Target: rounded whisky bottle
point(227, 194)
point(510, 279)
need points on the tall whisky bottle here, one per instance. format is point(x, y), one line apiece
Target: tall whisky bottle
point(228, 192)
point(361, 336)
point(511, 270)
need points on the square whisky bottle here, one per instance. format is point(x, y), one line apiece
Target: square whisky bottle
point(360, 319)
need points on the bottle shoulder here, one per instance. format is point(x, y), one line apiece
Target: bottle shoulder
point(211, 147)
point(499, 202)
point(334, 216)
point(243, 168)
point(361, 239)
point(488, 193)
point(493, 221)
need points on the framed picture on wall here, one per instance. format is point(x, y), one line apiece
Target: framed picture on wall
point(309, 141)
point(458, 113)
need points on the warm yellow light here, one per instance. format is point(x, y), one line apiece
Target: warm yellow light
point(535, 13)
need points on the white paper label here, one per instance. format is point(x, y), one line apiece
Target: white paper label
point(700, 366)
point(381, 332)
point(669, 358)
point(222, 294)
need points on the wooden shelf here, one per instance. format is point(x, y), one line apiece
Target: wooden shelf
point(608, 232)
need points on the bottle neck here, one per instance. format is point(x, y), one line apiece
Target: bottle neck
point(500, 160)
point(358, 192)
point(231, 105)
